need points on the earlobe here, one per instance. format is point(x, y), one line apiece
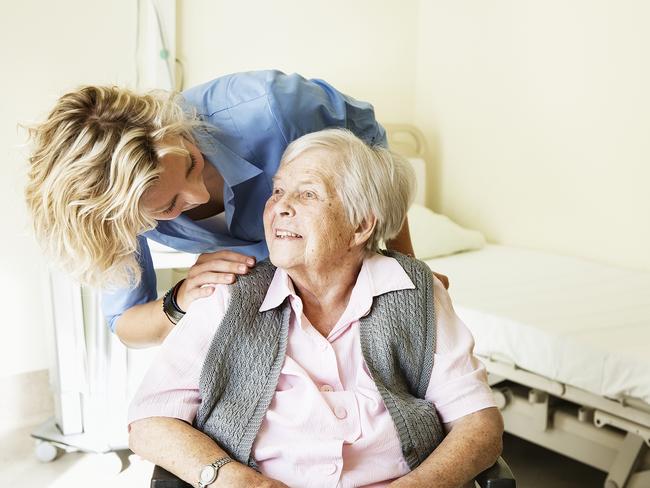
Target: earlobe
point(364, 230)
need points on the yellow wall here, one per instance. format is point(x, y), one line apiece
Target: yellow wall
point(538, 114)
point(47, 48)
point(364, 48)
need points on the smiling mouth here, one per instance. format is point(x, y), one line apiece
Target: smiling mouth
point(285, 234)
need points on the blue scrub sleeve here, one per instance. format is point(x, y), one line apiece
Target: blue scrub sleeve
point(302, 106)
point(116, 302)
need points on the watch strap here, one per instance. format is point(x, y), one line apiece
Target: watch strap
point(217, 465)
point(170, 306)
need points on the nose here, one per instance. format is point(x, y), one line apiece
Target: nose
point(284, 206)
point(196, 193)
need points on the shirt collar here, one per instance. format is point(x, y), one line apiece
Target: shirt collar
point(385, 274)
point(280, 288)
point(379, 274)
point(233, 168)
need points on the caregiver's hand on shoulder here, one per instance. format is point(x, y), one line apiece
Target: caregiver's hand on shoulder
point(443, 279)
point(212, 268)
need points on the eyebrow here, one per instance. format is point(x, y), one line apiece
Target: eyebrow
point(172, 202)
point(309, 181)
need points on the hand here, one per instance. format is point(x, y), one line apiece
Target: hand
point(212, 268)
point(236, 475)
point(443, 279)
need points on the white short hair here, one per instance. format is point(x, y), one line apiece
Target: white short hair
point(370, 181)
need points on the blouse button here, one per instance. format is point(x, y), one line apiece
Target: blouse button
point(340, 412)
point(326, 388)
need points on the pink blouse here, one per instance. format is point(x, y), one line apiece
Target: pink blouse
point(327, 425)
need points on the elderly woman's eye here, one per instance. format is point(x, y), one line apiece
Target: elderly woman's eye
point(309, 194)
point(277, 191)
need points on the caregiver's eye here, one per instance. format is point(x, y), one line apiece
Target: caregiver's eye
point(192, 163)
point(170, 209)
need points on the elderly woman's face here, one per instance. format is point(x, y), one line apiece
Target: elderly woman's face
point(304, 220)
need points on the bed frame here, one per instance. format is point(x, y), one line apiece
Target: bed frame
point(613, 436)
point(610, 435)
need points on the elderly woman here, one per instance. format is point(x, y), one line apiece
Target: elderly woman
point(336, 365)
point(112, 168)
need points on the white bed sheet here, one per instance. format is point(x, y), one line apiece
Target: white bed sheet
point(572, 320)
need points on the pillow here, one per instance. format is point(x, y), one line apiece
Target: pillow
point(435, 235)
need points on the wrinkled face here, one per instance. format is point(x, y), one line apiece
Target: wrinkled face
point(304, 220)
point(180, 187)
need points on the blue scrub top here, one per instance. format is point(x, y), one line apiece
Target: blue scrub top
point(251, 118)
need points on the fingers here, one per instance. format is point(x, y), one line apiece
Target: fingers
point(226, 256)
point(203, 291)
point(212, 278)
point(190, 293)
point(214, 268)
point(444, 280)
point(218, 266)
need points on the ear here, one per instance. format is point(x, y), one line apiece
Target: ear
point(364, 231)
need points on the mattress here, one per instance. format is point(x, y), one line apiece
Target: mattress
point(578, 322)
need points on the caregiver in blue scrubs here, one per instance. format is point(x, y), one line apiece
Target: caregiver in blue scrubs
point(206, 197)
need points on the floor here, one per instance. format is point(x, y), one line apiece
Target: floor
point(549, 469)
point(20, 469)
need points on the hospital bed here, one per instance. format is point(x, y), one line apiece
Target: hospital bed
point(566, 343)
point(93, 376)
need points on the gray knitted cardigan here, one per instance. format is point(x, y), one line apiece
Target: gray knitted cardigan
point(243, 364)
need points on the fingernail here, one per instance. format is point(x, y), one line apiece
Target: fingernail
point(242, 268)
point(250, 262)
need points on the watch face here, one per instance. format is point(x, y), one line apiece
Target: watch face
point(208, 474)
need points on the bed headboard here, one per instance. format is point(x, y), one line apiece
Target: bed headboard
point(408, 141)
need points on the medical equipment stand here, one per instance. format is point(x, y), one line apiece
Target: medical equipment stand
point(93, 375)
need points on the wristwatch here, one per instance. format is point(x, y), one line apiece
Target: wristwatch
point(209, 473)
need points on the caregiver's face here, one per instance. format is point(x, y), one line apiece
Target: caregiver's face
point(180, 186)
point(304, 220)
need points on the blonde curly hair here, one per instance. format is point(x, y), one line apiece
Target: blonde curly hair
point(92, 160)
